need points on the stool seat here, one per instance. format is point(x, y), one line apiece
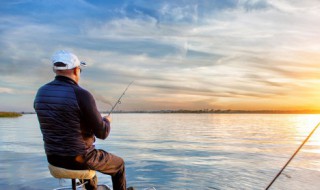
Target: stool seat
point(58, 172)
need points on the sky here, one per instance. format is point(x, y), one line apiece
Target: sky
point(182, 54)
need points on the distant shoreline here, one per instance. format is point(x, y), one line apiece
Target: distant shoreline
point(207, 111)
point(10, 114)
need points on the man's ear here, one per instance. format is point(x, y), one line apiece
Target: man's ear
point(75, 71)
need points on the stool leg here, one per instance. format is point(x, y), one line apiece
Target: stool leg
point(73, 184)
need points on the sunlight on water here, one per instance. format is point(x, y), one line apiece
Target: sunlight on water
point(304, 128)
point(181, 151)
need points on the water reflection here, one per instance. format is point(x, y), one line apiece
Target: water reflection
point(180, 151)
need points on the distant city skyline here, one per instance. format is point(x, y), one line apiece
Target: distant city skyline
point(192, 55)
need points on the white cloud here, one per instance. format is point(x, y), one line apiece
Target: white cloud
point(179, 13)
point(4, 90)
point(244, 39)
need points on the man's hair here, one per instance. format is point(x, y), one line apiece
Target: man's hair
point(59, 64)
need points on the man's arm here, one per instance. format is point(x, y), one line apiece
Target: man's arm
point(92, 117)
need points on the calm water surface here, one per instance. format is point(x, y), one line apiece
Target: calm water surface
point(180, 151)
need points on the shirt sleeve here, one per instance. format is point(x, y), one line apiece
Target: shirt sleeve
point(91, 116)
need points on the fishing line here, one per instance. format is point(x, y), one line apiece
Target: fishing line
point(274, 179)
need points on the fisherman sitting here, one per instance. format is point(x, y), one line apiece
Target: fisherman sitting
point(70, 121)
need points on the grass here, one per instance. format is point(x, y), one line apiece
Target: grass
point(10, 114)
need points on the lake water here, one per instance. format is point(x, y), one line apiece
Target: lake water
point(180, 151)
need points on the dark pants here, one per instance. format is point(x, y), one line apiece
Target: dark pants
point(106, 163)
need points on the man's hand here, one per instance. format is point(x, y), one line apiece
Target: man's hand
point(108, 118)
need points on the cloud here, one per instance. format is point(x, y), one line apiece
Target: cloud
point(6, 90)
point(208, 51)
point(231, 46)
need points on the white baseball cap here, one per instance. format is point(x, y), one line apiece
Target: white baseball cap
point(69, 59)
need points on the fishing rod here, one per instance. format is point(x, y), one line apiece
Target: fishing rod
point(119, 100)
point(274, 179)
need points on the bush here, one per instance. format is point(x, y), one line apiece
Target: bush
point(10, 114)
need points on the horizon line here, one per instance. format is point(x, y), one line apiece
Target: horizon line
point(289, 111)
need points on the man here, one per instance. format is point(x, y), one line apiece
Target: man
point(69, 122)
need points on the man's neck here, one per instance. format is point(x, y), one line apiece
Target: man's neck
point(68, 76)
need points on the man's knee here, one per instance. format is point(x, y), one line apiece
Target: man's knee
point(121, 163)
